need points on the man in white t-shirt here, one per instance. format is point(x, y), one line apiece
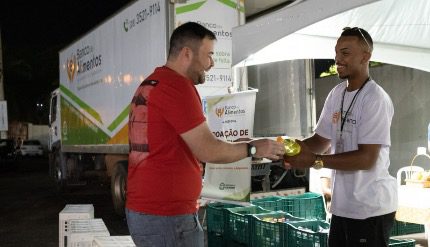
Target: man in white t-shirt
point(355, 127)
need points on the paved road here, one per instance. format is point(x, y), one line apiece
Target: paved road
point(29, 205)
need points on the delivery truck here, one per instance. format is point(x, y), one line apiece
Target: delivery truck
point(99, 73)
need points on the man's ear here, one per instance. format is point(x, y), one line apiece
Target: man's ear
point(187, 53)
point(366, 57)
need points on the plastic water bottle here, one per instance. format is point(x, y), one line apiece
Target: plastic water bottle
point(291, 147)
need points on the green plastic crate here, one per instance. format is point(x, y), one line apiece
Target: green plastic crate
point(237, 223)
point(217, 240)
point(401, 242)
point(403, 228)
point(308, 206)
point(215, 217)
point(273, 203)
point(311, 233)
point(269, 233)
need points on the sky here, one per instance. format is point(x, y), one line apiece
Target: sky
point(33, 32)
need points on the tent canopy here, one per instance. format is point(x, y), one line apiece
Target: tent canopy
point(309, 29)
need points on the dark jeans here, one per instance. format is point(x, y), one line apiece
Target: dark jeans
point(370, 232)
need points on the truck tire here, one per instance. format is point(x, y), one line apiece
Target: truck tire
point(119, 187)
point(60, 173)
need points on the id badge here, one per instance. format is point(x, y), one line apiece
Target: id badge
point(339, 146)
point(339, 143)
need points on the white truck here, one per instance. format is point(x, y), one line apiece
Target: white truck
point(99, 73)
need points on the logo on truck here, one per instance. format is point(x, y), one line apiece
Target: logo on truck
point(84, 60)
point(71, 67)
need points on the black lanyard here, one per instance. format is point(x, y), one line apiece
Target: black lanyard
point(343, 119)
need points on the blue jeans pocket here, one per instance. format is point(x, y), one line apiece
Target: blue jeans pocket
point(188, 231)
point(149, 240)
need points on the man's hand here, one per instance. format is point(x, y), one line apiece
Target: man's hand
point(304, 159)
point(268, 149)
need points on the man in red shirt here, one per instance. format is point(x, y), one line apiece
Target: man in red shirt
point(168, 137)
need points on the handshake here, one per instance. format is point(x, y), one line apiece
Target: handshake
point(271, 149)
point(291, 147)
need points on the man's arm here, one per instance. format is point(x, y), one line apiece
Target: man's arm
point(317, 144)
point(362, 159)
point(207, 148)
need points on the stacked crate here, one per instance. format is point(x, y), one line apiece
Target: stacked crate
point(72, 211)
point(275, 221)
point(403, 228)
point(250, 226)
point(78, 228)
point(113, 241)
point(81, 232)
point(216, 223)
point(401, 242)
point(267, 229)
point(237, 223)
point(307, 233)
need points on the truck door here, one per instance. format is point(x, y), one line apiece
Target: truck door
point(54, 119)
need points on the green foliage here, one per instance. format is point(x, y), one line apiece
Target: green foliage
point(332, 70)
point(375, 64)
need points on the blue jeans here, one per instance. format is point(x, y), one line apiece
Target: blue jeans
point(165, 231)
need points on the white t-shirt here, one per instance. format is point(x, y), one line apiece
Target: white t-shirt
point(364, 193)
point(315, 184)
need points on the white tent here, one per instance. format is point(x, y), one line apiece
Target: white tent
point(310, 28)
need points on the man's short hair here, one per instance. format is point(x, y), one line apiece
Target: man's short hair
point(361, 34)
point(190, 35)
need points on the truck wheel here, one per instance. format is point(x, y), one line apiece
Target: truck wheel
point(60, 171)
point(118, 187)
point(72, 167)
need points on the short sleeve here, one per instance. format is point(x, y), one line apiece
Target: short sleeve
point(181, 106)
point(375, 120)
point(324, 123)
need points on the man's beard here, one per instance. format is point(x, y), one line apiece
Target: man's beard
point(201, 78)
point(196, 76)
point(343, 77)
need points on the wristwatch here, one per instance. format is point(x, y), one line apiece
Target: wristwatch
point(318, 163)
point(252, 150)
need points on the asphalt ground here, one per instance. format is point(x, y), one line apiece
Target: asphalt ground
point(30, 205)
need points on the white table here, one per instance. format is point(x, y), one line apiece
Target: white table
point(414, 206)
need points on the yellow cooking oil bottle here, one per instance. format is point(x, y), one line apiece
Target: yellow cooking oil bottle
point(291, 147)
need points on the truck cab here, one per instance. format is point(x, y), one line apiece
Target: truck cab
point(54, 120)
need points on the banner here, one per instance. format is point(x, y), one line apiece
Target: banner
point(230, 117)
point(220, 17)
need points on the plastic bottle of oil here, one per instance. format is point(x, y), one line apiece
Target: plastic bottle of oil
point(291, 147)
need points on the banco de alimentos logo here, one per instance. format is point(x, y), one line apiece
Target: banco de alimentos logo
point(224, 186)
point(219, 112)
point(72, 67)
point(229, 111)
